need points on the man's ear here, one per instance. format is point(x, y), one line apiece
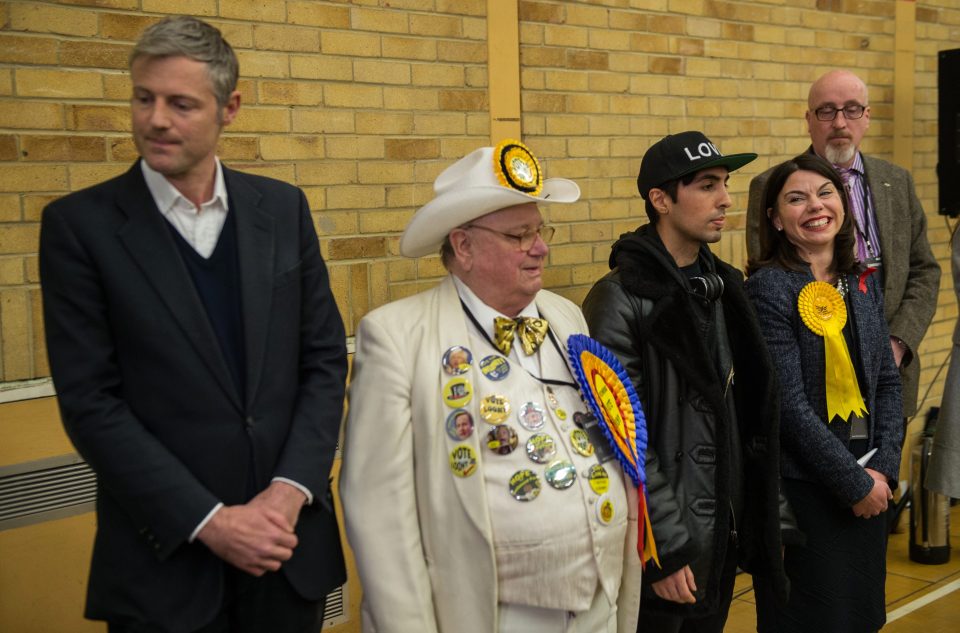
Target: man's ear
point(229, 111)
point(462, 248)
point(658, 198)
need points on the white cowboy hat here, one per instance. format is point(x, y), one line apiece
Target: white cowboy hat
point(485, 180)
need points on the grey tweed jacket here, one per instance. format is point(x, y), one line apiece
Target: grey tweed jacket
point(814, 449)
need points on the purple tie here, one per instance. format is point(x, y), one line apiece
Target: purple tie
point(855, 203)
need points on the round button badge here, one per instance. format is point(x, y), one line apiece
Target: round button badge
point(541, 448)
point(457, 360)
point(495, 367)
point(605, 510)
point(463, 461)
point(524, 485)
point(561, 474)
point(581, 442)
point(494, 409)
point(457, 392)
point(502, 439)
point(531, 416)
point(459, 424)
point(598, 479)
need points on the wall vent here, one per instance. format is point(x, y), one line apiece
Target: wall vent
point(46, 489)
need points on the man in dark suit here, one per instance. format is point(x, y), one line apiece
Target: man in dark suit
point(890, 225)
point(199, 362)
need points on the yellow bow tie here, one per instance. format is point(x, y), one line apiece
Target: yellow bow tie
point(530, 330)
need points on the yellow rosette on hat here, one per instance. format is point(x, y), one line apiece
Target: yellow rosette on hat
point(823, 311)
point(516, 167)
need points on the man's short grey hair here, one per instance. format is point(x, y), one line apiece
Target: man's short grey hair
point(183, 36)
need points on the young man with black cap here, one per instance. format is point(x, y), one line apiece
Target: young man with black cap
point(677, 318)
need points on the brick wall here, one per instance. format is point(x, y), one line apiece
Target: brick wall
point(362, 103)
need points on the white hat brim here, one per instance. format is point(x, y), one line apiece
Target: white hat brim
point(432, 223)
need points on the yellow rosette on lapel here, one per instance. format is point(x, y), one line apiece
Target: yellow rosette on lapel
point(824, 313)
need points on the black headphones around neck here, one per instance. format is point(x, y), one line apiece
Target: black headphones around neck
point(708, 286)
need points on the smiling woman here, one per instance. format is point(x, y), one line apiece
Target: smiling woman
point(821, 314)
point(810, 212)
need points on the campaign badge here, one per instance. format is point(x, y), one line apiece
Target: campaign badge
point(605, 510)
point(598, 479)
point(495, 367)
point(494, 409)
point(463, 461)
point(581, 442)
point(561, 474)
point(531, 416)
point(541, 448)
point(457, 360)
point(502, 439)
point(524, 485)
point(459, 424)
point(457, 392)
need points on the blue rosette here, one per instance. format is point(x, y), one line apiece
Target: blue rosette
point(609, 392)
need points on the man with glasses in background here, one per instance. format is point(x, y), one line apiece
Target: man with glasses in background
point(515, 526)
point(891, 227)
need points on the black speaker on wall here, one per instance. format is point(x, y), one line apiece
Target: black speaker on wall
point(948, 144)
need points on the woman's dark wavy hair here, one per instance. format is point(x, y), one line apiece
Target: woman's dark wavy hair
point(775, 248)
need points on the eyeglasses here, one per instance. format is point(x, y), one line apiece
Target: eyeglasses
point(526, 239)
point(829, 113)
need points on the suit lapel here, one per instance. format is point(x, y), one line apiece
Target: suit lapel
point(452, 330)
point(255, 249)
point(882, 207)
point(149, 243)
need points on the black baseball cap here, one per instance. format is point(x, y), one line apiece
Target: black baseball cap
point(677, 155)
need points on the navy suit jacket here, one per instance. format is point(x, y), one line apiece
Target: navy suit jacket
point(147, 398)
point(813, 449)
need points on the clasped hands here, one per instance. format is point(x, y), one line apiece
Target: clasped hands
point(877, 499)
point(258, 536)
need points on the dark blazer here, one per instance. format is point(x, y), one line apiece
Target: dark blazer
point(911, 274)
point(813, 449)
point(146, 395)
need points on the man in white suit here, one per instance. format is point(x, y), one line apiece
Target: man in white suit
point(519, 526)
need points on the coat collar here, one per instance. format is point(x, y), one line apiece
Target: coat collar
point(670, 324)
point(879, 185)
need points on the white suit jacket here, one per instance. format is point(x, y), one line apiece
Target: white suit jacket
point(421, 536)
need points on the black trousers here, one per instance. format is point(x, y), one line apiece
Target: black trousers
point(267, 604)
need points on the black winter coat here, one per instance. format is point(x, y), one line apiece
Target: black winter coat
point(712, 482)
